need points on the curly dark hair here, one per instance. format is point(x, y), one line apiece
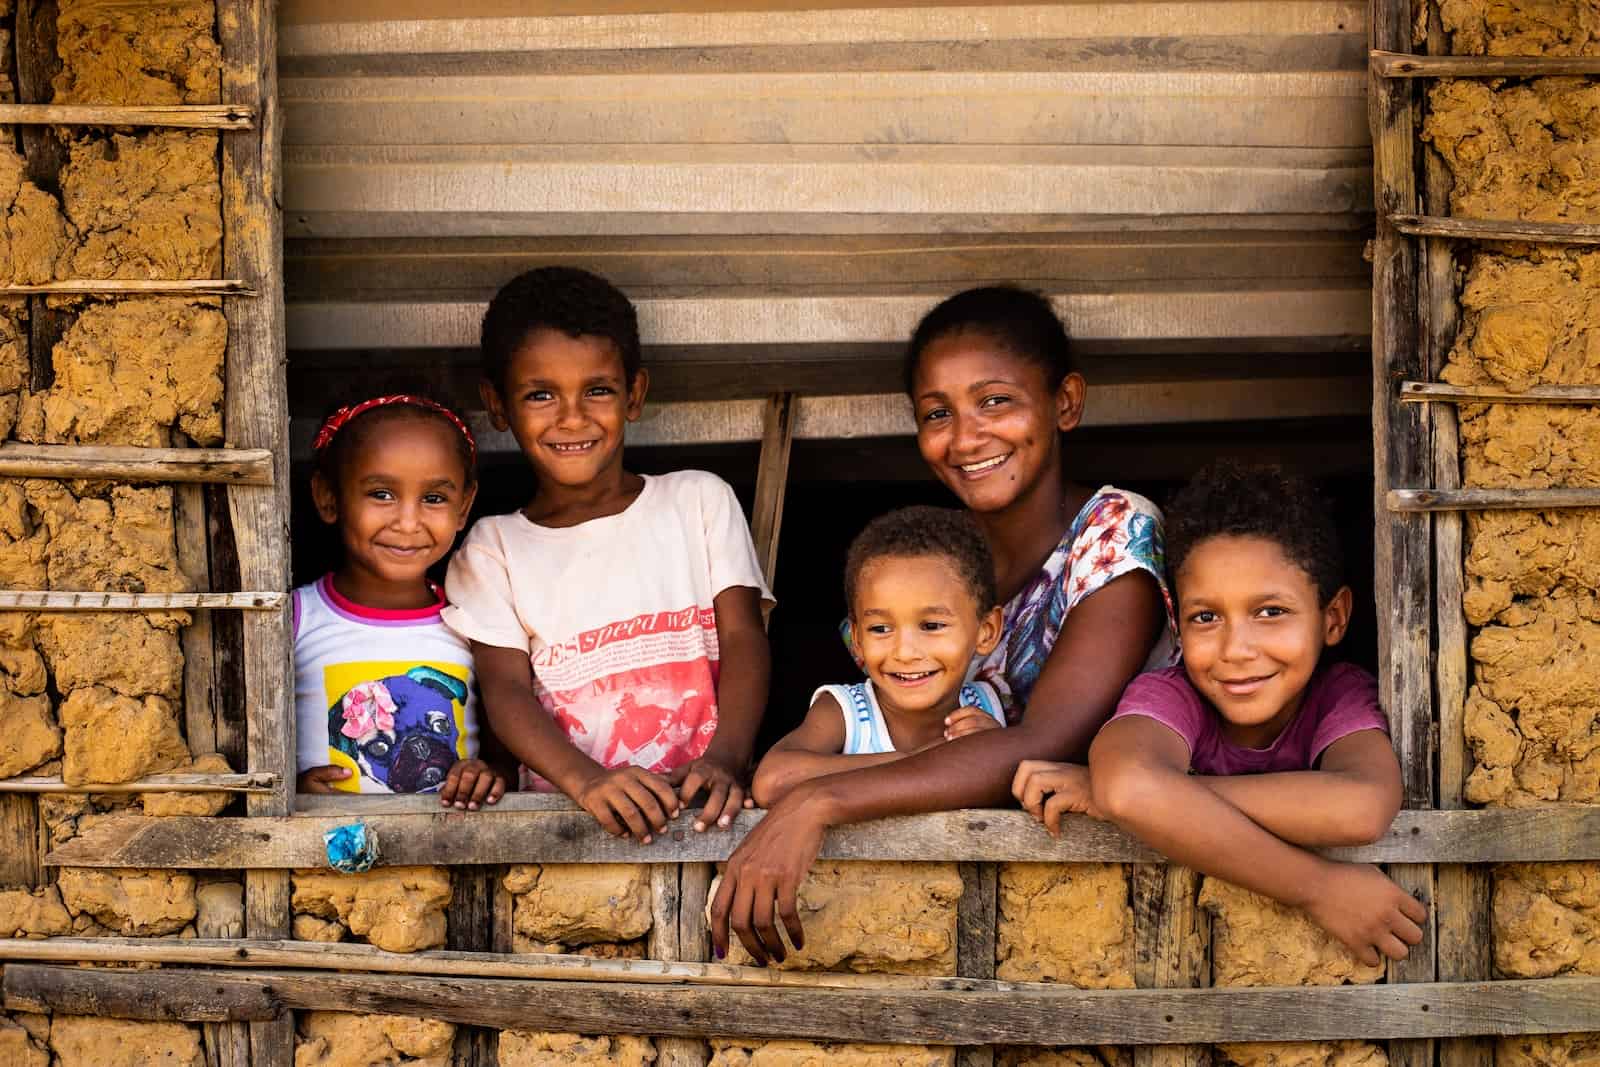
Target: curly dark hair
point(1019, 320)
point(925, 531)
point(331, 461)
point(573, 301)
point(1229, 499)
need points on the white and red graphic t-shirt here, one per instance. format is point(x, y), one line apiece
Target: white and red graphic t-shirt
point(615, 614)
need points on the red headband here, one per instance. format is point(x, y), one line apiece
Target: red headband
point(335, 422)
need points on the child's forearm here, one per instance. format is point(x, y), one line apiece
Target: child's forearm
point(528, 733)
point(1316, 809)
point(781, 771)
point(745, 666)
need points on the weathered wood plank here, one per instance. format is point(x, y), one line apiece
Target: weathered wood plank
point(982, 836)
point(1419, 500)
point(154, 783)
point(20, 855)
point(1401, 65)
point(226, 1044)
point(40, 600)
point(1053, 1015)
point(1426, 392)
point(1576, 233)
point(38, 62)
point(772, 480)
point(470, 920)
point(976, 916)
point(1172, 939)
point(130, 287)
point(117, 463)
point(190, 116)
point(192, 534)
point(666, 944)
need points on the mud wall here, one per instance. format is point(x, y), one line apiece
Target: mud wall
point(1530, 315)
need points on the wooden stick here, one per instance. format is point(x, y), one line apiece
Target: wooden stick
point(1384, 64)
point(1575, 233)
point(772, 480)
point(1415, 500)
point(1490, 835)
point(40, 600)
point(184, 116)
point(540, 966)
point(155, 783)
point(1047, 1015)
point(123, 464)
point(132, 287)
point(1428, 392)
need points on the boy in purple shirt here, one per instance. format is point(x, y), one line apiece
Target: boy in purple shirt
point(1254, 750)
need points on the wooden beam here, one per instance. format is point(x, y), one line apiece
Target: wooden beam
point(123, 464)
point(1428, 392)
point(131, 287)
point(1172, 941)
point(446, 838)
point(977, 918)
point(1417, 500)
point(190, 116)
point(1050, 1015)
point(1386, 64)
point(155, 783)
point(1567, 233)
point(58, 600)
point(772, 480)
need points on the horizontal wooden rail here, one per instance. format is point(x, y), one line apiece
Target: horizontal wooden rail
point(186, 116)
point(252, 466)
point(1405, 65)
point(1039, 1015)
point(132, 287)
point(541, 966)
point(1431, 392)
point(1562, 233)
point(1491, 499)
point(259, 782)
point(39, 600)
point(443, 838)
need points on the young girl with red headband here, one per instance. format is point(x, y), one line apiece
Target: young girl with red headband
point(383, 689)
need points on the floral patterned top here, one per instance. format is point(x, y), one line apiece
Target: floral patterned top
point(1113, 533)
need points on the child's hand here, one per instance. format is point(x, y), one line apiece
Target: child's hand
point(629, 801)
point(968, 720)
point(1356, 903)
point(470, 783)
point(725, 792)
point(321, 779)
point(1049, 790)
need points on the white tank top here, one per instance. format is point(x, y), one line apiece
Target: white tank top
point(865, 732)
point(385, 694)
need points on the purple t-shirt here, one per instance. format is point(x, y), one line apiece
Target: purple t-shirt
point(1339, 700)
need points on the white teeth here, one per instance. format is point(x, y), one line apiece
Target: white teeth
point(573, 448)
point(988, 464)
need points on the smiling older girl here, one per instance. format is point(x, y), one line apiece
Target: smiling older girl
point(1079, 572)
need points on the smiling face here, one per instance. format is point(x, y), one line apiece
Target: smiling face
point(566, 400)
point(1253, 628)
point(988, 423)
point(401, 498)
point(916, 626)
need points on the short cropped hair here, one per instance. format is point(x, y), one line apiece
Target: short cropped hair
point(573, 301)
point(1232, 500)
point(1019, 320)
point(925, 531)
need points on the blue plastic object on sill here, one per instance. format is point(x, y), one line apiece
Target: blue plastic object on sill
point(352, 848)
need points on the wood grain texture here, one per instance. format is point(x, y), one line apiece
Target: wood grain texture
point(1424, 500)
point(154, 783)
point(20, 856)
point(131, 287)
point(1577, 233)
point(470, 929)
point(1172, 939)
point(123, 464)
point(1386, 64)
point(772, 480)
point(189, 116)
point(41, 600)
point(1039, 1015)
point(977, 914)
point(1428, 392)
point(1491, 835)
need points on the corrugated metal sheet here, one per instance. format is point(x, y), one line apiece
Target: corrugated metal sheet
point(785, 191)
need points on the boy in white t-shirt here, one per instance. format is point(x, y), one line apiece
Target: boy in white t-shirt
point(616, 620)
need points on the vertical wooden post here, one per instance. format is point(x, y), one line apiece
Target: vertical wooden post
point(976, 918)
point(666, 943)
point(1461, 894)
point(45, 154)
point(772, 481)
point(257, 417)
point(471, 929)
point(1402, 456)
point(1172, 942)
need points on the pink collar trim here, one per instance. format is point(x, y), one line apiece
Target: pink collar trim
point(347, 607)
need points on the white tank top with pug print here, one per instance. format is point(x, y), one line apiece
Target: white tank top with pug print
point(387, 695)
